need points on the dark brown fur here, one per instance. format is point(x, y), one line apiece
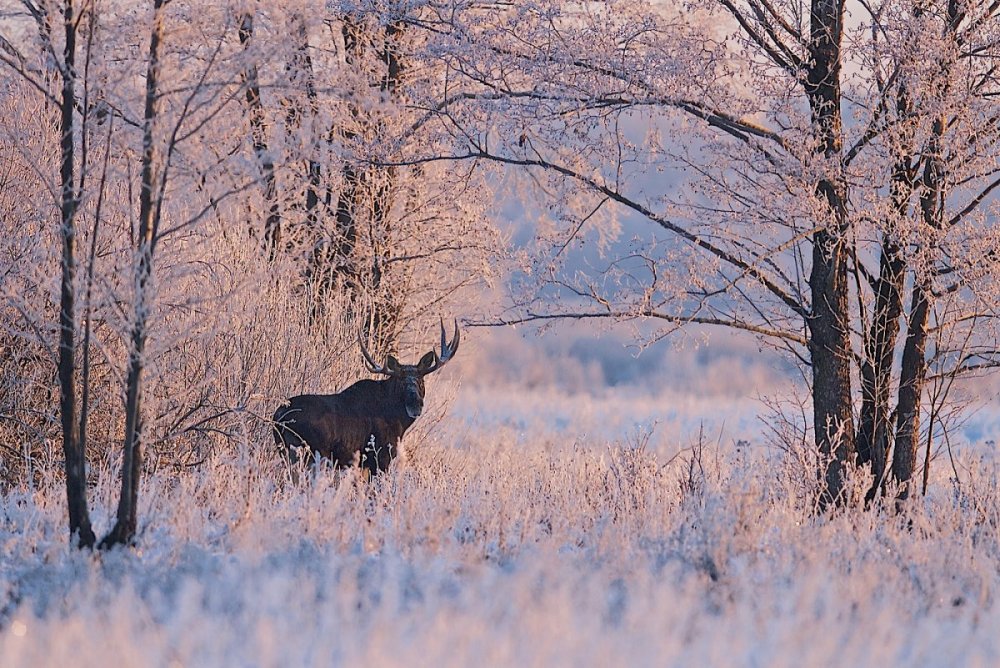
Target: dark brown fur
point(363, 424)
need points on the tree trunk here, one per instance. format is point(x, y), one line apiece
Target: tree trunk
point(876, 369)
point(124, 530)
point(345, 268)
point(911, 385)
point(345, 271)
point(913, 371)
point(300, 71)
point(385, 307)
point(874, 429)
point(75, 457)
point(880, 341)
point(318, 271)
point(829, 345)
point(365, 195)
point(258, 130)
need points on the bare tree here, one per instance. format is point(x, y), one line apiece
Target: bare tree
point(73, 437)
point(150, 211)
point(391, 240)
point(173, 121)
point(775, 215)
point(72, 168)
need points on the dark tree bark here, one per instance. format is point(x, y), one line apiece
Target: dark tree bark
point(913, 371)
point(345, 269)
point(258, 130)
point(874, 427)
point(385, 309)
point(364, 202)
point(124, 530)
point(876, 369)
point(911, 386)
point(75, 462)
point(829, 344)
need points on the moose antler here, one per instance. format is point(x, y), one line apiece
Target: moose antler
point(369, 362)
point(448, 350)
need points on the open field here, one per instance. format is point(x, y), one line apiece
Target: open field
point(483, 547)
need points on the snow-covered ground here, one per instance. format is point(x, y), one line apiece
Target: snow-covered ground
point(489, 547)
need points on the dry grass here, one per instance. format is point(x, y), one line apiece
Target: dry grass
point(474, 550)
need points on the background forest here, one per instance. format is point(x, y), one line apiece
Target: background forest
point(204, 207)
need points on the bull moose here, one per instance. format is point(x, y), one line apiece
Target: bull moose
point(364, 423)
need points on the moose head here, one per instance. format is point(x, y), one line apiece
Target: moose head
point(410, 377)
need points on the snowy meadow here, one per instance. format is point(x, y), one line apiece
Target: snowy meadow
point(483, 546)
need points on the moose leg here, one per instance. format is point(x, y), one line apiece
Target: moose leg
point(376, 455)
point(369, 458)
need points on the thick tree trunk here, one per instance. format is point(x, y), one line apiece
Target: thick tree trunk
point(911, 385)
point(258, 130)
point(75, 462)
point(124, 530)
point(829, 345)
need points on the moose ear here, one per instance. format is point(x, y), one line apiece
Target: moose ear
point(392, 364)
point(427, 362)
